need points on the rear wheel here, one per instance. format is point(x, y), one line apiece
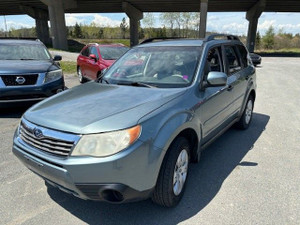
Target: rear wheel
point(82, 79)
point(172, 178)
point(246, 118)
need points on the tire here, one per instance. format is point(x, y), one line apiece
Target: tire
point(82, 79)
point(246, 117)
point(168, 191)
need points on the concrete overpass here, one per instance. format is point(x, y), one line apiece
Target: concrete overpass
point(53, 10)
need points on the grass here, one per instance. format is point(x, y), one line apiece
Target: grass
point(105, 41)
point(284, 51)
point(68, 67)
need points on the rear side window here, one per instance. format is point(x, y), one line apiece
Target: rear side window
point(85, 52)
point(232, 59)
point(244, 55)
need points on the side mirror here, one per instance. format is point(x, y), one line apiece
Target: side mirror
point(93, 56)
point(57, 58)
point(216, 79)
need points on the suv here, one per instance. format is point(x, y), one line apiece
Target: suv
point(94, 58)
point(28, 73)
point(132, 134)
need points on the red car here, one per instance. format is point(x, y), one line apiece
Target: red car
point(94, 58)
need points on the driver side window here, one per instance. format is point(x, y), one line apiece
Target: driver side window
point(213, 61)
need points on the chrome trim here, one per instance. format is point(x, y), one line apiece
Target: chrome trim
point(23, 100)
point(54, 142)
point(39, 80)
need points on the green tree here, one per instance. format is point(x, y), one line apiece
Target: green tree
point(258, 40)
point(77, 31)
point(123, 27)
point(268, 39)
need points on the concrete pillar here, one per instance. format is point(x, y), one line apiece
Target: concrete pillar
point(203, 18)
point(58, 27)
point(134, 16)
point(41, 21)
point(42, 30)
point(252, 16)
point(251, 37)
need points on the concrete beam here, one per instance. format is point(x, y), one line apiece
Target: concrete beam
point(56, 10)
point(35, 13)
point(252, 16)
point(134, 15)
point(131, 11)
point(203, 18)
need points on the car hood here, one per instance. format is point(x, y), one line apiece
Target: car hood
point(95, 108)
point(108, 63)
point(24, 66)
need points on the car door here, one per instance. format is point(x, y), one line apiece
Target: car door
point(214, 109)
point(92, 64)
point(237, 78)
point(83, 60)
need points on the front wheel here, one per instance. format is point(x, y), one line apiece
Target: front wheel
point(82, 79)
point(246, 118)
point(173, 175)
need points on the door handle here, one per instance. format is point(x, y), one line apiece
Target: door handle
point(230, 87)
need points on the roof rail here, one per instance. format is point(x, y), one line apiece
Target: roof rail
point(149, 40)
point(20, 38)
point(228, 36)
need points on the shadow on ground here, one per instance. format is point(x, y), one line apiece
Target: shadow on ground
point(205, 181)
point(13, 112)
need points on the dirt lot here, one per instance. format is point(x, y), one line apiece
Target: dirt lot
point(248, 177)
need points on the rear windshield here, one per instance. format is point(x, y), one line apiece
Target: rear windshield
point(23, 52)
point(112, 53)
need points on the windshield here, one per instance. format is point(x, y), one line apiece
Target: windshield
point(112, 53)
point(157, 66)
point(23, 51)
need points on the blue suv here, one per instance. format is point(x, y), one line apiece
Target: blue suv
point(28, 73)
point(133, 133)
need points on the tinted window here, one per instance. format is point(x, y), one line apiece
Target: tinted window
point(232, 59)
point(94, 51)
point(244, 55)
point(112, 53)
point(24, 52)
point(213, 61)
point(85, 52)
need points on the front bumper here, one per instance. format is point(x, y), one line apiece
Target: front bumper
point(16, 96)
point(127, 176)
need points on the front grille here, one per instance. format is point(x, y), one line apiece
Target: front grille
point(46, 143)
point(11, 80)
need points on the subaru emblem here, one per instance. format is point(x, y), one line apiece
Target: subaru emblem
point(38, 133)
point(20, 80)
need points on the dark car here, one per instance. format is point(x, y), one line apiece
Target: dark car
point(133, 133)
point(94, 58)
point(256, 59)
point(28, 73)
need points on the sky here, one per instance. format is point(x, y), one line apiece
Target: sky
point(234, 23)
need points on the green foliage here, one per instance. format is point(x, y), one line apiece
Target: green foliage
point(77, 31)
point(123, 27)
point(268, 39)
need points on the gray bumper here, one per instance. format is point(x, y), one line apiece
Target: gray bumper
point(131, 174)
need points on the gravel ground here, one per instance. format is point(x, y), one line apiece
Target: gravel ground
point(245, 177)
point(66, 56)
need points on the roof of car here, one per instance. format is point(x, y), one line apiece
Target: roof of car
point(20, 41)
point(176, 42)
point(107, 45)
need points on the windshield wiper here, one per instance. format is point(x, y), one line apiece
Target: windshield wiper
point(28, 59)
point(137, 84)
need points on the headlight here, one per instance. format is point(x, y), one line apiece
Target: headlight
point(105, 144)
point(53, 75)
